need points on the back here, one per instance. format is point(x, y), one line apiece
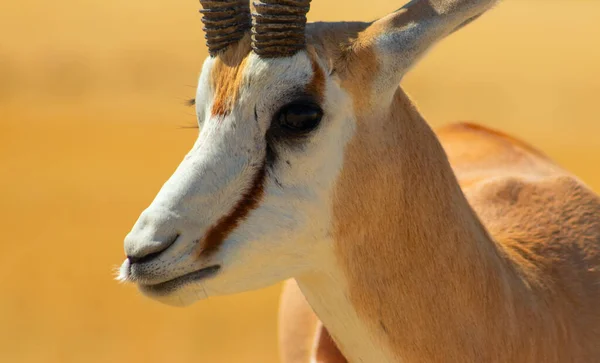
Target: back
point(544, 218)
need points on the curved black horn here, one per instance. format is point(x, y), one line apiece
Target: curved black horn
point(225, 22)
point(278, 27)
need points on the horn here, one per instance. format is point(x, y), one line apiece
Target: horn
point(278, 27)
point(225, 22)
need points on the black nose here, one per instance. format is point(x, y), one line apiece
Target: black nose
point(147, 256)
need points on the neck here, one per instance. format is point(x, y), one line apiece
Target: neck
point(415, 277)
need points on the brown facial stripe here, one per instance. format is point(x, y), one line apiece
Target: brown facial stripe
point(227, 76)
point(249, 201)
point(316, 87)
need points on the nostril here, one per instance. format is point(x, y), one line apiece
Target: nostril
point(142, 258)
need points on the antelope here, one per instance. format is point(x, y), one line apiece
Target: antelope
point(398, 243)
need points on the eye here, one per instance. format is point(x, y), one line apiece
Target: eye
point(300, 117)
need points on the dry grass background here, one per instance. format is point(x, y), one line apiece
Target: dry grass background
point(91, 104)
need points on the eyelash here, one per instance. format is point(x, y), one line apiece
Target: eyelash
point(191, 103)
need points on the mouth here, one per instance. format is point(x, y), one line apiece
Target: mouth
point(168, 287)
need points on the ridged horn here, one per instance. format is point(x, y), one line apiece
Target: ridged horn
point(225, 22)
point(278, 27)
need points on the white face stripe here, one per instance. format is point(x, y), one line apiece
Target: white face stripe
point(204, 94)
point(288, 234)
point(290, 224)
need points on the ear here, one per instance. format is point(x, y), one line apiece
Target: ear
point(393, 44)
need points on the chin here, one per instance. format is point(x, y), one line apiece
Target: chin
point(181, 297)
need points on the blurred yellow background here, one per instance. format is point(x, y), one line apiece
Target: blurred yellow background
point(92, 122)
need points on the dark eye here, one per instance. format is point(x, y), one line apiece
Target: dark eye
point(300, 118)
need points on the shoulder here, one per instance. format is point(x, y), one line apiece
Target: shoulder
point(531, 206)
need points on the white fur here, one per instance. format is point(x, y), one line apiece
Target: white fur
point(288, 235)
point(399, 49)
point(326, 291)
point(277, 240)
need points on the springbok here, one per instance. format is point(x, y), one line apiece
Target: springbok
point(311, 163)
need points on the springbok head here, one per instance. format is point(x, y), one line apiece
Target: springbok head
point(278, 100)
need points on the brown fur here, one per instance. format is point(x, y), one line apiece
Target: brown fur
point(326, 350)
point(475, 152)
point(346, 57)
point(298, 326)
point(226, 76)
point(301, 335)
point(316, 86)
point(356, 69)
point(484, 250)
point(522, 285)
point(249, 201)
point(529, 291)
